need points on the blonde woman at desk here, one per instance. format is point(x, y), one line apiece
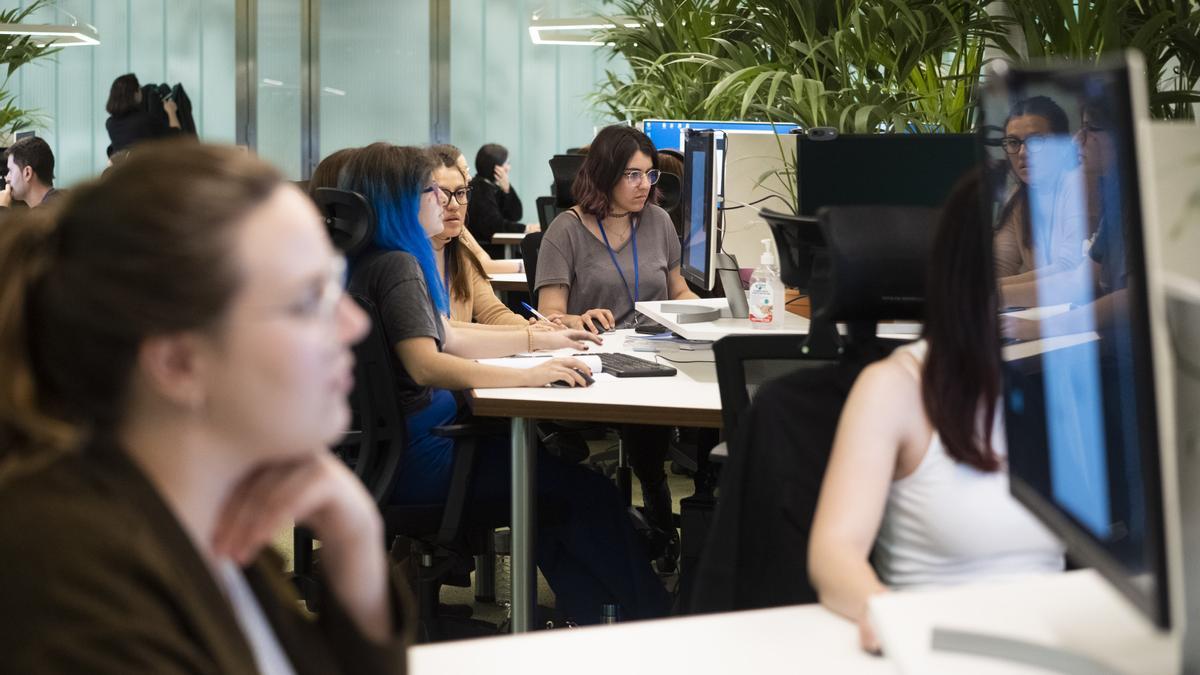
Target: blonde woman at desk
point(472, 300)
point(490, 265)
point(1044, 223)
point(916, 492)
point(176, 353)
point(590, 554)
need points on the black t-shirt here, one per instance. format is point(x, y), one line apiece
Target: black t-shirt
point(393, 281)
point(133, 127)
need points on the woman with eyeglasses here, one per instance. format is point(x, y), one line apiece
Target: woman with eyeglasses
point(490, 265)
point(472, 300)
point(176, 351)
point(614, 247)
point(1044, 223)
point(589, 553)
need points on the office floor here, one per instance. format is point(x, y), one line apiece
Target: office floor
point(497, 612)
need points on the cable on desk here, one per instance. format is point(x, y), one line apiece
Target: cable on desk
point(798, 297)
point(658, 356)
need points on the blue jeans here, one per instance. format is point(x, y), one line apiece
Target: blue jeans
point(586, 546)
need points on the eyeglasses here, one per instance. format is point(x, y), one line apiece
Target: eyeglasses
point(460, 195)
point(432, 190)
point(1012, 144)
point(634, 176)
point(321, 302)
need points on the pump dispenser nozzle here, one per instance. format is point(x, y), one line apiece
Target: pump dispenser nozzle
point(768, 258)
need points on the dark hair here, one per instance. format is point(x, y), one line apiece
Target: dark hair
point(392, 177)
point(146, 251)
point(671, 161)
point(327, 173)
point(36, 154)
point(1047, 109)
point(962, 370)
point(606, 159)
point(458, 256)
point(488, 158)
point(444, 154)
point(122, 96)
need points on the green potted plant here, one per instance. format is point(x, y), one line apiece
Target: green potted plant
point(16, 51)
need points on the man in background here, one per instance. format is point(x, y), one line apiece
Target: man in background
point(30, 176)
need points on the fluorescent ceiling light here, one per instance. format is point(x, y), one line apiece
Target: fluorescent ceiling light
point(56, 36)
point(581, 31)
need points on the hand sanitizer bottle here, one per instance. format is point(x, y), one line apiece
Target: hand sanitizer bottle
point(766, 292)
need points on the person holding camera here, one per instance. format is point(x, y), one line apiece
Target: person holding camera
point(128, 120)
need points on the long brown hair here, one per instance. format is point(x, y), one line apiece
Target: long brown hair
point(329, 170)
point(459, 258)
point(146, 251)
point(961, 377)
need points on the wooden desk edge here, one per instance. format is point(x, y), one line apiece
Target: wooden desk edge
point(593, 412)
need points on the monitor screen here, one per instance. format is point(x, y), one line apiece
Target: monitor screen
point(1079, 402)
point(670, 134)
point(698, 212)
point(880, 169)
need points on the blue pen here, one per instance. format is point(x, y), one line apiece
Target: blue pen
point(535, 312)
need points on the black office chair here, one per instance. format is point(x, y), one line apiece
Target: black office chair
point(548, 210)
point(530, 245)
point(564, 168)
point(780, 432)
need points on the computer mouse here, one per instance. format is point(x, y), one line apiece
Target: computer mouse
point(588, 381)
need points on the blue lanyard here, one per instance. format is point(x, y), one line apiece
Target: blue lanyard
point(637, 273)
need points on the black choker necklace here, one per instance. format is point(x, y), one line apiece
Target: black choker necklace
point(617, 215)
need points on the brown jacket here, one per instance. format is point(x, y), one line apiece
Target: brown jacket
point(97, 576)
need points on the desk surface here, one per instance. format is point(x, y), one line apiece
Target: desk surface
point(690, 398)
point(512, 281)
point(508, 237)
point(1075, 611)
point(715, 330)
point(801, 639)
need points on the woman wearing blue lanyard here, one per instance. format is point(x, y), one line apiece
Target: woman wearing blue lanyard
point(614, 248)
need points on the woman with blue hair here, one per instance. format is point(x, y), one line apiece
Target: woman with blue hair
point(591, 556)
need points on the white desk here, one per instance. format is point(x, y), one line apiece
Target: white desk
point(509, 282)
point(1075, 611)
point(510, 240)
point(801, 639)
point(793, 324)
point(690, 398)
point(715, 330)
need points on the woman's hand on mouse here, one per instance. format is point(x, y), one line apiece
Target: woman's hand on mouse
point(567, 370)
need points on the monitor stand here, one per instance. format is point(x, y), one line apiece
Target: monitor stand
point(731, 283)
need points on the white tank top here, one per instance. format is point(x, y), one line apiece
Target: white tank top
point(950, 523)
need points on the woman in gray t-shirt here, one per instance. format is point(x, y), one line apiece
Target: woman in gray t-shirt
point(612, 248)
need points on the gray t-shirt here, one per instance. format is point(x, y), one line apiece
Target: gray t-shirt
point(572, 255)
point(393, 281)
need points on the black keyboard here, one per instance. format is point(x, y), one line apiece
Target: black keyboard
point(624, 365)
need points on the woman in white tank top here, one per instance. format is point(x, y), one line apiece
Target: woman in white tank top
point(916, 492)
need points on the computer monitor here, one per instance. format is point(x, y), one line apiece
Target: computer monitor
point(671, 134)
point(879, 169)
point(1080, 406)
point(701, 158)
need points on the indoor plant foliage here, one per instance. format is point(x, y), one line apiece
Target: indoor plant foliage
point(858, 65)
point(876, 65)
point(16, 51)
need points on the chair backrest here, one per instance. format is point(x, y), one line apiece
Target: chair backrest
point(375, 444)
point(349, 219)
point(564, 168)
point(547, 210)
point(530, 246)
point(780, 432)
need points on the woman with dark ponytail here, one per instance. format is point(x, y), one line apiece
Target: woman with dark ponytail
point(175, 346)
point(916, 493)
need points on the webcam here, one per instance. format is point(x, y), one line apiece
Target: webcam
point(822, 133)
